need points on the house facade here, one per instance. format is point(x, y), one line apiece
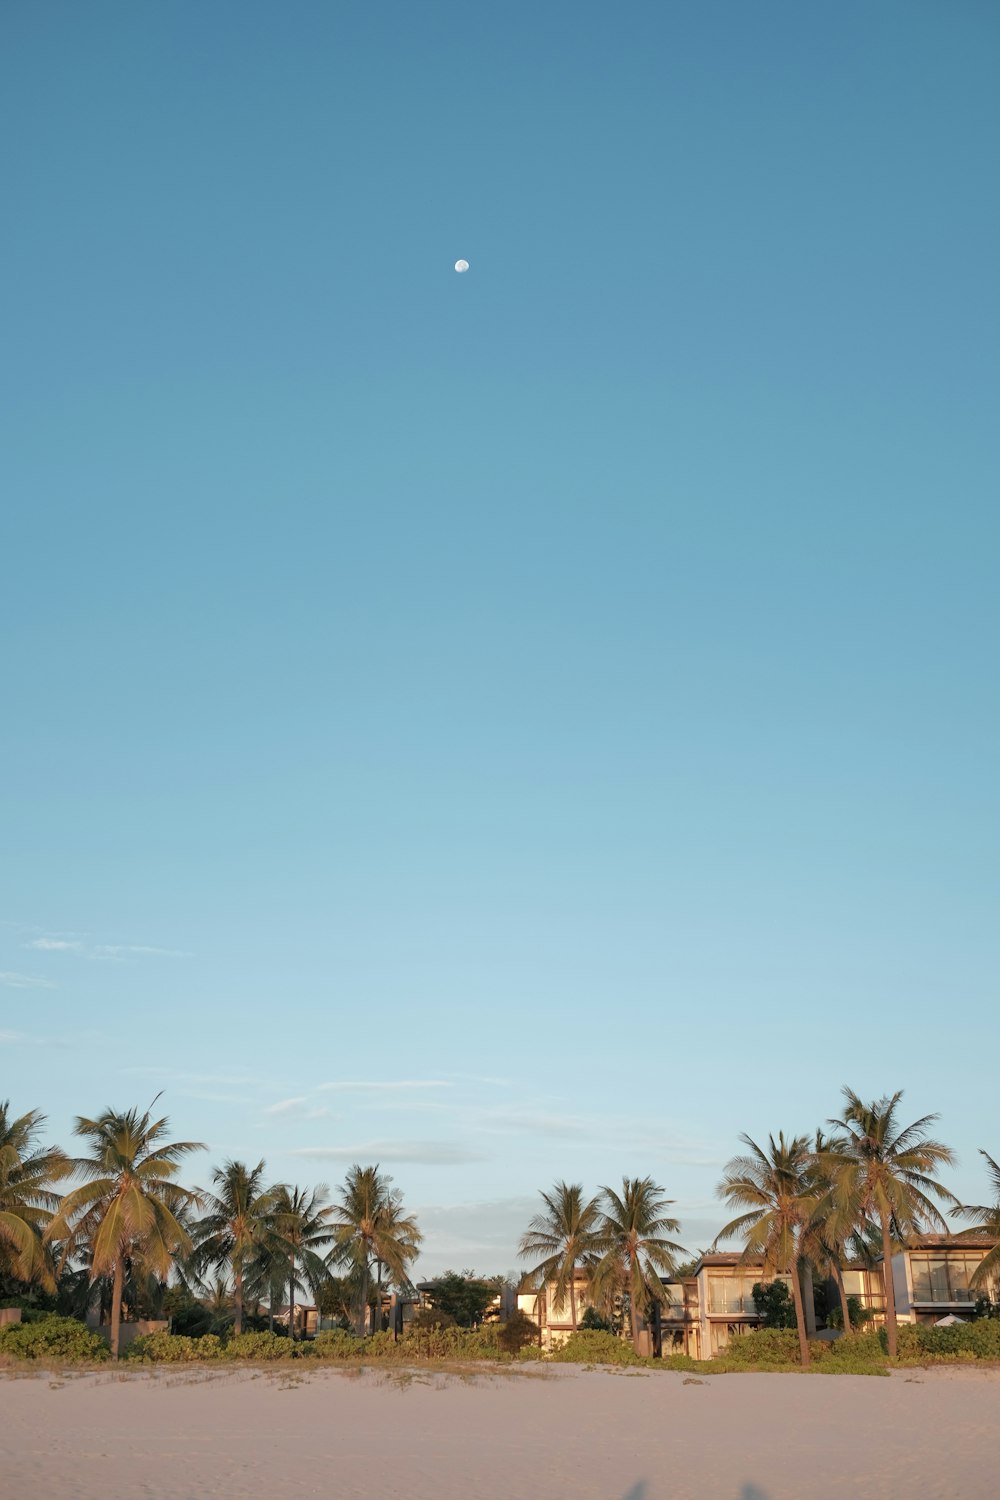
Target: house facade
point(725, 1305)
point(932, 1277)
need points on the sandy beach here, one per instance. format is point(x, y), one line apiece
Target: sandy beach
point(537, 1434)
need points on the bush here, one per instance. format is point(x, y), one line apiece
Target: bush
point(260, 1346)
point(962, 1342)
point(336, 1343)
point(516, 1332)
point(773, 1301)
point(764, 1346)
point(593, 1347)
point(174, 1349)
point(64, 1340)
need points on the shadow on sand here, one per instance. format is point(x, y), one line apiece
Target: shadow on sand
point(640, 1491)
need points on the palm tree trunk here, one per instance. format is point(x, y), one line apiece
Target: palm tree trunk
point(116, 1305)
point(808, 1301)
point(634, 1309)
point(572, 1297)
point(890, 1294)
point(845, 1310)
point(238, 1284)
point(800, 1317)
point(362, 1323)
point(291, 1302)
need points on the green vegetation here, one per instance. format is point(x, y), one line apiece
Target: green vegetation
point(562, 1239)
point(773, 1301)
point(57, 1340)
point(462, 1299)
point(634, 1250)
point(129, 1211)
point(128, 1240)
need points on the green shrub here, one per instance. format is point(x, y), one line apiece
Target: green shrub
point(260, 1346)
point(591, 1346)
point(64, 1340)
point(764, 1346)
point(960, 1343)
point(336, 1343)
point(516, 1332)
point(174, 1349)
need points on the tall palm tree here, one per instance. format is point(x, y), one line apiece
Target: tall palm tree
point(238, 1224)
point(634, 1250)
point(368, 1225)
point(775, 1189)
point(831, 1226)
point(129, 1208)
point(885, 1172)
point(27, 1201)
point(565, 1236)
point(302, 1220)
point(986, 1216)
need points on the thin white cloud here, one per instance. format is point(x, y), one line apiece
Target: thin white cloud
point(283, 1106)
point(346, 1085)
point(13, 981)
point(417, 1153)
point(54, 945)
point(122, 952)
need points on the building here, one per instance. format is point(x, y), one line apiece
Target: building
point(725, 1305)
point(932, 1277)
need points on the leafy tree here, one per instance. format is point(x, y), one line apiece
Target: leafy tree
point(774, 1187)
point(562, 1238)
point(986, 1217)
point(238, 1225)
point(337, 1297)
point(463, 1299)
point(517, 1331)
point(369, 1226)
point(129, 1207)
point(633, 1248)
point(886, 1172)
point(592, 1321)
point(302, 1221)
point(27, 1201)
point(774, 1303)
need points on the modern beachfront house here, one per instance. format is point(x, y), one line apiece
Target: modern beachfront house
point(725, 1303)
point(699, 1315)
point(932, 1278)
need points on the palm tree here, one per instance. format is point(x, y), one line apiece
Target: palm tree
point(633, 1249)
point(565, 1236)
point(369, 1225)
point(129, 1208)
point(27, 1201)
point(831, 1227)
point(302, 1220)
point(238, 1225)
point(986, 1217)
point(775, 1189)
point(885, 1172)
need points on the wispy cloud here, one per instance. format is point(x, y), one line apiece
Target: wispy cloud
point(81, 943)
point(122, 952)
point(417, 1153)
point(283, 1106)
point(13, 981)
point(346, 1085)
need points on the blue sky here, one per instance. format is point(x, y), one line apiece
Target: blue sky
point(527, 724)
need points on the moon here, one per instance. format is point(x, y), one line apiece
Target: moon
point(461, 265)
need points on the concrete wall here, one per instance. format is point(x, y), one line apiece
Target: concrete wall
point(9, 1315)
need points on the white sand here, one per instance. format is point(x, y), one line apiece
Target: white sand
point(547, 1435)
